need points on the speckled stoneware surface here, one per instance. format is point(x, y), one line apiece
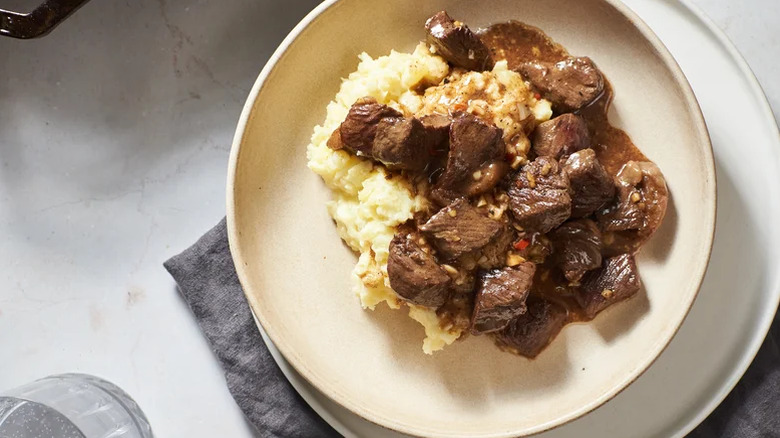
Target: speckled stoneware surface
point(295, 271)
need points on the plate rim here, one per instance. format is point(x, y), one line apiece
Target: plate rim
point(757, 341)
point(702, 133)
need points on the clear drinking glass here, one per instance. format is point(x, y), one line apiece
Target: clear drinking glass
point(71, 406)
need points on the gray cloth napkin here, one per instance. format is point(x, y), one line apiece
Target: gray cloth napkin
point(207, 281)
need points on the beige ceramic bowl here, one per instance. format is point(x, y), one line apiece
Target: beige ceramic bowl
point(295, 271)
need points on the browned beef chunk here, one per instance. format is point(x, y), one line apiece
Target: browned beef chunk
point(616, 280)
point(577, 246)
point(438, 127)
point(539, 195)
point(561, 136)
point(591, 185)
point(569, 85)
point(400, 143)
point(641, 201)
point(530, 332)
point(413, 272)
point(456, 43)
point(358, 130)
point(407, 143)
point(501, 297)
point(460, 228)
point(475, 162)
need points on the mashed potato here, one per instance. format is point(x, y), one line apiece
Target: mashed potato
point(366, 205)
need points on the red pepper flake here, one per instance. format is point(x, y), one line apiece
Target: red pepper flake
point(537, 96)
point(521, 244)
point(460, 107)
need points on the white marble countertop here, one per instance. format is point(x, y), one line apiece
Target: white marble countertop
point(114, 137)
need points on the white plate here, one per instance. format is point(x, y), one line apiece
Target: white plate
point(740, 294)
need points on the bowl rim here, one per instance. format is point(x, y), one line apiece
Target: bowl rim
point(240, 260)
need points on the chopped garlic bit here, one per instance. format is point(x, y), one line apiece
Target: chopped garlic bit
point(495, 212)
point(450, 269)
point(517, 162)
point(531, 179)
point(513, 259)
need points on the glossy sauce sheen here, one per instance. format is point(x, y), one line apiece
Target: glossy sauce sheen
point(517, 43)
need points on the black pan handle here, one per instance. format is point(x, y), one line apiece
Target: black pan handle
point(40, 21)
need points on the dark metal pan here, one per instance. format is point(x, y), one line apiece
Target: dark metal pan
point(39, 21)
